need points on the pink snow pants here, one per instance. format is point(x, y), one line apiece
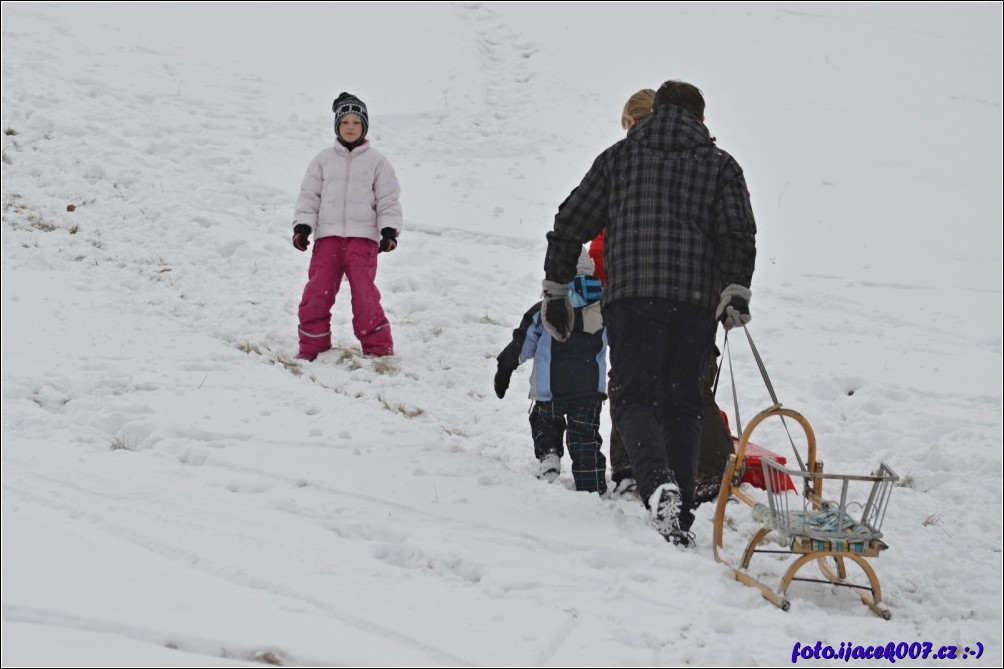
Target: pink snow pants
point(356, 259)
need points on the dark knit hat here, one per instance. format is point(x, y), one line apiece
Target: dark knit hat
point(346, 103)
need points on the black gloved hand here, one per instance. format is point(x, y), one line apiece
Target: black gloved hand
point(734, 309)
point(389, 240)
point(301, 236)
point(502, 377)
point(556, 310)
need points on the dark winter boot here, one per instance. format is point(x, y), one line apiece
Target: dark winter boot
point(669, 520)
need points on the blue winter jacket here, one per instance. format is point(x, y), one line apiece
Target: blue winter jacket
point(575, 369)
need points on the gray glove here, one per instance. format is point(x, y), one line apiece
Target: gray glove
point(734, 309)
point(556, 310)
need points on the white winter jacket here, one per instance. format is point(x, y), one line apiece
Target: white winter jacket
point(349, 194)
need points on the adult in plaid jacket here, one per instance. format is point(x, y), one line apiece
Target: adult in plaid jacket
point(680, 250)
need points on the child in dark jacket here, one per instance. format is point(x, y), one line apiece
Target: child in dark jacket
point(567, 385)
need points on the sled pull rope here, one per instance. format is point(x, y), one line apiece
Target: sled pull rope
point(759, 363)
point(770, 389)
point(732, 375)
point(766, 380)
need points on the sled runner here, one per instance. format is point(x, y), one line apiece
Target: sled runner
point(830, 531)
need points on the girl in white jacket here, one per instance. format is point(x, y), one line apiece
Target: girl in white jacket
point(349, 201)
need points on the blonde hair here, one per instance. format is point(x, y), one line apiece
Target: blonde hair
point(638, 106)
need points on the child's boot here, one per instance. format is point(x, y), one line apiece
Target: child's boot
point(549, 467)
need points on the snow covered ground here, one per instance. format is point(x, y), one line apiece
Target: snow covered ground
point(176, 490)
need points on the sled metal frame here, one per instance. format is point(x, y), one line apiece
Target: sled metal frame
point(829, 547)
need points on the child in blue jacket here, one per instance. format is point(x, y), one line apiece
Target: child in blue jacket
point(567, 385)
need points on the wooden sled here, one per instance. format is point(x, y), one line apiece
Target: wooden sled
point(812, 528)
point(822, 531)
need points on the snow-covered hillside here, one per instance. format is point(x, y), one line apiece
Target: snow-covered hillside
point(177, 489)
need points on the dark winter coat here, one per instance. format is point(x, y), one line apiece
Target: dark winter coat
point(575, 369)
point(676, 211)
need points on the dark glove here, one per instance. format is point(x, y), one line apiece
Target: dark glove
point(502, 377)
point(301, 236)
point(734, 309)
point(556, 310)
point(389, 240)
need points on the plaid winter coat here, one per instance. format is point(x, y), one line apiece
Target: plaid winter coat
point(676, 211)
